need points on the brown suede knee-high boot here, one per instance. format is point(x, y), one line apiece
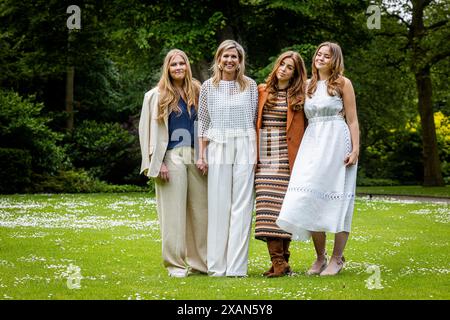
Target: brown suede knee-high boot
point(266, 273)
point(280, 266)
point(287, 253)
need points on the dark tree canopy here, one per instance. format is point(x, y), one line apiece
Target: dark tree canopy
point(92, 80)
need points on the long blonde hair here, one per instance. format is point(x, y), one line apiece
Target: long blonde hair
point(168, 95)
point(296, 89)
point(335, 82)
point(240, 73)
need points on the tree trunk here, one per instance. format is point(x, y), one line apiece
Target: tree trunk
point(70, 79)
point(231, 10)
point(70, 74)
point(432, 175)
point(200, 70)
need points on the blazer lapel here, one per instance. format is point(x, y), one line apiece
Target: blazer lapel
point(290, 116)
point(166, 121)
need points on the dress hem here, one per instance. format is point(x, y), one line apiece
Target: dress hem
point(300, 233)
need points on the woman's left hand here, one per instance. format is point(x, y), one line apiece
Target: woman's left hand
point(202, 166)
point(351, 159)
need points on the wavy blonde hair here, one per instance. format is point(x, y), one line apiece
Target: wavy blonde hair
point(240, 75)
point(335, 82)
point(168, 95)
point(296, 89)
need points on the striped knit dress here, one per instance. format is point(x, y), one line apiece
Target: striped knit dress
point(272, 171)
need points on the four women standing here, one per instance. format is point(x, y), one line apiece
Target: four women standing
point(232, 118)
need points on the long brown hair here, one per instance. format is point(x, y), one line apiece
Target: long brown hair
point(296, 89)
point(168, 95)
point(335, 82)
point(240, 73)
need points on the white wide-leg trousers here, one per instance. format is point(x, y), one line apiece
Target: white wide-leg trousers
point(230, 205)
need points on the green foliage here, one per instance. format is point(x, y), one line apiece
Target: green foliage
point(396, 157)
point(118, 52)
point(414, 190)
point(440, 86)
point(76, 181)
point(36, 31)
point(102, 149)
point(23, 127)
point(189, 25)
point(306, 51)
point(15, 173)
point(97, 89)
point(372, 182)
point(423, 27)
point(273, 25)
point(442, 123)
point(66, 182)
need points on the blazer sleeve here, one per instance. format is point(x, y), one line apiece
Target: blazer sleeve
point(150, 100)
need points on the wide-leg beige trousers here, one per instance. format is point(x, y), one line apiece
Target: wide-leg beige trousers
point(182, 205)
point(230, 205)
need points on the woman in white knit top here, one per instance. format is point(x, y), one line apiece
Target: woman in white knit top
point(227, 116)
point(227, 111)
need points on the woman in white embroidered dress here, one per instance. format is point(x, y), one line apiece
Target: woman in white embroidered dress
point(321, 192)
point(227, 116)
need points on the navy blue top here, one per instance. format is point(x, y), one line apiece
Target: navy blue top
point(181, 127)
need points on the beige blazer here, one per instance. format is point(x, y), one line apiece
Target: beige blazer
point(153, 135)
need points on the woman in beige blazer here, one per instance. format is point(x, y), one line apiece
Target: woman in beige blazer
point(166, 134)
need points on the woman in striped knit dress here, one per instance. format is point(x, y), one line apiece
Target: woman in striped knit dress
point(280, 127)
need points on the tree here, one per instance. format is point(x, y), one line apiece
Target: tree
point(424, 25)
point(40, 56)
point(146, 32)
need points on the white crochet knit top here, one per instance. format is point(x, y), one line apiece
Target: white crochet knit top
point(225, 111)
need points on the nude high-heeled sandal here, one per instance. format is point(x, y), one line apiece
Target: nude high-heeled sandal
point(340, 261)
point(317, 268)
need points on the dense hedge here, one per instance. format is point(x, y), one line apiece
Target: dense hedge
point(35, 158)
point(105, 150)
point(15, 173)
point(79, 181)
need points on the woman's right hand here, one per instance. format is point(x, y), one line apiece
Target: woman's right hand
point(164, 173)
point(202, 166)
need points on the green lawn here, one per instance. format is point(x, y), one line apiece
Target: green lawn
point(443, 192)
point(114, 240)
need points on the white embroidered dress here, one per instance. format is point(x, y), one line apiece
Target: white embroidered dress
point(321, 190)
